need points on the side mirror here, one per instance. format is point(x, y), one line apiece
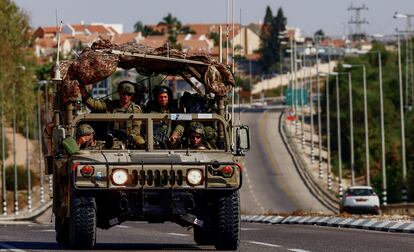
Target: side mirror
point(242, 139)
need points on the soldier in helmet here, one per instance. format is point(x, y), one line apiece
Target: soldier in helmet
point(125, 104)
point(85, 137)
point(164, 103)
point(196, 135)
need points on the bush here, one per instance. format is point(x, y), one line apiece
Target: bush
point(21, 177)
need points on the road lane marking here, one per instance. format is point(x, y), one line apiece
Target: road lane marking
point(11, 248)
point(45, 230)
point(299, 250)
point(123, 226)
point(250, 229)
point(177, 234)
point(265, 244)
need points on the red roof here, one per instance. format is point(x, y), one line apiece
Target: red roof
point(46, 42)
point(124, 38)
point(154, 41)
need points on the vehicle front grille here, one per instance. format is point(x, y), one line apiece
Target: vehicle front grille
point(157, 178)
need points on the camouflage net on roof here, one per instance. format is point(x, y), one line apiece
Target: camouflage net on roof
point(101, 60)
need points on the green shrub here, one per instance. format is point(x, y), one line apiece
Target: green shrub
point(21, 177)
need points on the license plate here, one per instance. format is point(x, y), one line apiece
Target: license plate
point(361, 200)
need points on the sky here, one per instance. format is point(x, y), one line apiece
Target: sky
point(331, 16)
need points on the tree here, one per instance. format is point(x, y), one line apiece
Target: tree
point(144, 29)
point(174, 28)
point(15, 40)
point(270, 41)
point(319, 35)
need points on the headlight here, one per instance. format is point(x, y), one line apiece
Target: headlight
point(119, 177)
point(194, 177)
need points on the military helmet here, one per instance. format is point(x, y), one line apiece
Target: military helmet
point(84, 129)
point(196, 127)
point(126, 87)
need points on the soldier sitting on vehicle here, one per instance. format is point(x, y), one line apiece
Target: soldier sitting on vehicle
point(169, 133)
point(85, 137)
point(125, 104)
point(196, 135)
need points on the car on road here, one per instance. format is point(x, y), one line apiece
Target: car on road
point(360, 199)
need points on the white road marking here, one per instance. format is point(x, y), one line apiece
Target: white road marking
point(177, 234)
point(123, 226)
point(45, 230)
point(299, 250)
point(265, 244)
point(250, 229)
point(10, 248)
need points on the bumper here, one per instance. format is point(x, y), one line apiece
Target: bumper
point(361, 209)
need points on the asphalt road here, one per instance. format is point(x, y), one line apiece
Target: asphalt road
point(136, 236)
point(271, 182)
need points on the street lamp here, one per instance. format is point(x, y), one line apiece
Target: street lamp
point(351, 121)
point(16, 200)
point(3, 153)
point(404, 165)
point(338, 118)
point(408, 57)
point(328, 131)
point(365, 119)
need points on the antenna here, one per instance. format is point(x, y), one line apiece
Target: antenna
point(57, 70)
point(240, 54)
point(357, 21)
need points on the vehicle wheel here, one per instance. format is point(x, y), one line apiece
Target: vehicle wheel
point(62, 230)
point(228, 222)
point(82, 223)
point(203, 236)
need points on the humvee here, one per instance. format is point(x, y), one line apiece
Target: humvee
point(118, 182)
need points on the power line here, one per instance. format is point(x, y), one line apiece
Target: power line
point(357, 20)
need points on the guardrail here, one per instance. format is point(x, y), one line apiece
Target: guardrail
point(324, 196)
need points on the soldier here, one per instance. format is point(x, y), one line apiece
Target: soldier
point(164, 103)
point(125, 104)
point(196, 136)
point(85, 137)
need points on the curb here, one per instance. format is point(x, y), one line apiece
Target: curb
point(27, 215)
point(367, 224)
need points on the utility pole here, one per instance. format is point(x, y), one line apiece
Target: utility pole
point(357, 20)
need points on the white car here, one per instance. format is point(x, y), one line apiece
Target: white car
point(360, 199)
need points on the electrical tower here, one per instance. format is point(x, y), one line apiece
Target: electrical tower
point(357, 21)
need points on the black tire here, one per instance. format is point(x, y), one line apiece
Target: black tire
point(82, 223)
point(62, 230)
point(203, 236)
point(228, 222)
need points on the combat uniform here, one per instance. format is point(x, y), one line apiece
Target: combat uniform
point(132, 127)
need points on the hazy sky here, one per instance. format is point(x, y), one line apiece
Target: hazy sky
point(309, 15)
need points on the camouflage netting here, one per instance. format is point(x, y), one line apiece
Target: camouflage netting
point(101, 60)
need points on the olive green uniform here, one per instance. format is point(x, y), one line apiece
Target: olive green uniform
point(132, 127)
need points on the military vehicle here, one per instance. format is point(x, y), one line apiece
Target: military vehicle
point(115, 181)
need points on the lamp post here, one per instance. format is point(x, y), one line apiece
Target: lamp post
point(16, 192)
point(404, 165)
point(39, 132)
point(328, 131)
point(3, 153)
point(338, 118)
point(351, 123)
point(318, 86)
point(365, 120)
point(408, 58)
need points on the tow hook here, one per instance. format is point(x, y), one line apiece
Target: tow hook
point(192, 219)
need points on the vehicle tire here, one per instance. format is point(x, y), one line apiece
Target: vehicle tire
point(62, 230)
point(82, 223)
point(203, 236)
point(228, 222)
